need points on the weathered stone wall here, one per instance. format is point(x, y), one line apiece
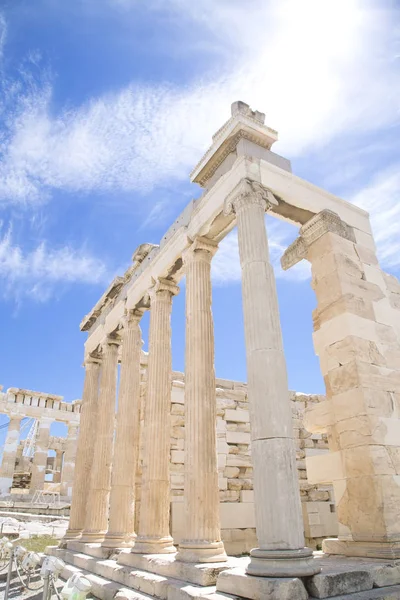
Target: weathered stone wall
point(235, 469)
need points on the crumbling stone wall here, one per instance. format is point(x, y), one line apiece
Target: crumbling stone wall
point(235, 468)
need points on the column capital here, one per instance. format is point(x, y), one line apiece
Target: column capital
point(325, 221)
point(249, 192)
point(200, 248)
point(132, 316)
point(163, 287)
point(91, 361)
point(110, 341)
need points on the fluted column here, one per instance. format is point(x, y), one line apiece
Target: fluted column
point(96, 522)
point(40, 457)
point(67, 475)
point(121, 527)
point(279, 523)
point(85, 449)
point(9, 455)
point(153, 534)
point(202, 535)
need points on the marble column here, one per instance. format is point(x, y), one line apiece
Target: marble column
point(96, 522)
point(121, 527)
point(85, 449)
point(58, 466)
point(279, 523)
point(153, 533)
point(40, 457)
point(9, 455)
point(67, 475)
point(202, 535)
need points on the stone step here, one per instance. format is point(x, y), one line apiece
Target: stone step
point(132, 583)
point(95, 550)
point(204, 574)
point(102, 588)
point(386, 593)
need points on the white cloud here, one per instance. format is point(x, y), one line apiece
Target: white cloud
point(39, 272)
point(309, 65)
point(226, 266)
point(3, 34)
point(381, 198)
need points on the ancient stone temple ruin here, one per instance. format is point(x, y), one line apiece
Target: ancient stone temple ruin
point(26, 471)
point(131, 550)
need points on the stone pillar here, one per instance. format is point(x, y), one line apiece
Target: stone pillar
point(358, 347)
point(121, 527)
point(279, 523)
point(58, 466)
point(202, 535)
point(67, 475)
point(9, 455)
point(85, 449)
point(40, 457)
point(96, 522)
point(153, 533)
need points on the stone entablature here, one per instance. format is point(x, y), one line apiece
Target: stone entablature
point(297, 201)
point(31, 404)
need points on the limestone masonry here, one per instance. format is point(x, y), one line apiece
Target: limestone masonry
point(45, 409)
point(235, 473)
point(240, 452)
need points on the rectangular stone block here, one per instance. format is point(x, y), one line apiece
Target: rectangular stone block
point(237, 460)
point(177, 456)
point(247, 496)
point(347, 324)
point(358, 373)
point(237, 516)
point(237, 437)
point(240, 416)
point(178, 394)
point(237, 583)
point(386, 575)
point(325, 469)
point(326, 585)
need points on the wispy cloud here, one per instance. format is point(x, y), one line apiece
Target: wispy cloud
point(3, 35)
point(286, 60)
point(39, 272)
point(283, 58)
point(381, 198)
point(226, 266)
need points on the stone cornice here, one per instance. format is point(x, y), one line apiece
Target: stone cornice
point(33, 394)
point(325, 221)
point(111, 292)
point(244, 123)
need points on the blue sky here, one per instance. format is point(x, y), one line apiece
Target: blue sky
point(105, 107)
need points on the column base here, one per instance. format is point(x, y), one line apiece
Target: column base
point(118, 540)
point(282, 563)
point(197, 552)
point(92, 537)
point(149, 545)
point(72, 534)
point(384, 550)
